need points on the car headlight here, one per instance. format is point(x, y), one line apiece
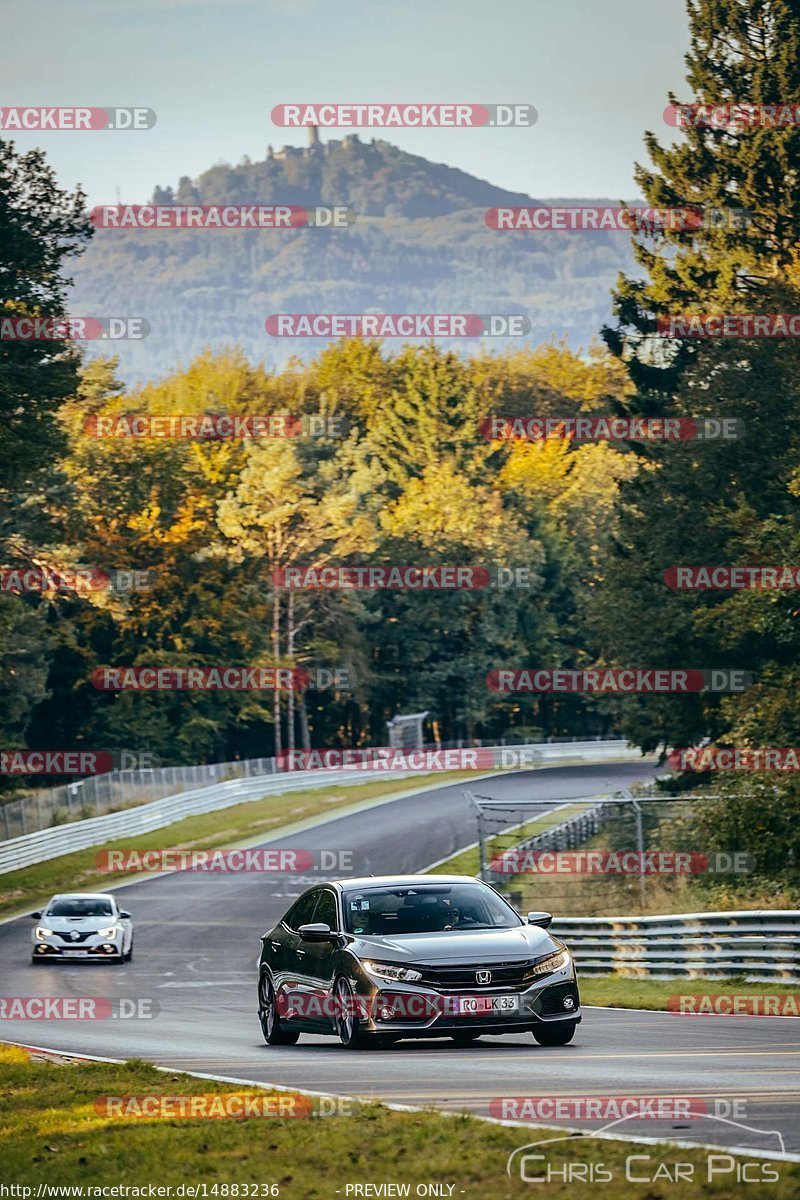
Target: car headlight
point(109, 933)
point(390, 971)
point(545, 966)
point(41, 932)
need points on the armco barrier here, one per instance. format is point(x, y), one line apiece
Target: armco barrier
point(49, 843)
point(79, 835)
point(96, 795)
point(762, 946)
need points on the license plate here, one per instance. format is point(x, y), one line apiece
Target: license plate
point(469, 1006)
point(75, 953)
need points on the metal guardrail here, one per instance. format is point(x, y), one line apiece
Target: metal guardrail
point(761, 945)
point(130, 822)
point(95, 795)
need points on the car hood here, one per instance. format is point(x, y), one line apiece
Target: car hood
point(460, 946)
point(82, 924)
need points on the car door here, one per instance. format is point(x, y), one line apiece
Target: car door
point(125, 924)
point(319, 959)
point(287, 959)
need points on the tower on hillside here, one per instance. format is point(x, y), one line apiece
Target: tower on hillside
point(313, 137)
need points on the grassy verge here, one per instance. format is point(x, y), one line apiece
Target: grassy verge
point(466, 862)
point(30, 886)
point(617, 992)
point(53, 1133)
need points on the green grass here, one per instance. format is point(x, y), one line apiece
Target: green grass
point(466, 862)
point(618, 992)
point(53, 1134)
point(31, 886)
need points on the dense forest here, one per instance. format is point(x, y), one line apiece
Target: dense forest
point(412, 481)
point(595, 528)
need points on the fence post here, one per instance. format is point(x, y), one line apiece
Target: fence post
point(481, 839)
point(637, 808)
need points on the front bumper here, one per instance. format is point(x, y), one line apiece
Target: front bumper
point(411, 1011)
point(93, 947)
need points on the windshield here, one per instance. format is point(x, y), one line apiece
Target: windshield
point(84, 907)
point(434, 908)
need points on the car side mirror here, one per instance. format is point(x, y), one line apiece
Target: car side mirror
point(124, 914)
point(36, 916)
point(540, 918)
point(316, 932)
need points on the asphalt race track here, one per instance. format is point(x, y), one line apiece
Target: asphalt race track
point(197, 941)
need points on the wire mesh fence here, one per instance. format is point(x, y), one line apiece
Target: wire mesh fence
point(116, 790)
point(622, 852)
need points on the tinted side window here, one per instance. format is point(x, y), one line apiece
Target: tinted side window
point(326, 910)
point(300, 914)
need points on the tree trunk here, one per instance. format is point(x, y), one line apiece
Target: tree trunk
point(290, 631)
point(305, 734)
point(276, 654)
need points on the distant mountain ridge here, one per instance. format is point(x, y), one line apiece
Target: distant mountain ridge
point(376, 178)
point(419, 244)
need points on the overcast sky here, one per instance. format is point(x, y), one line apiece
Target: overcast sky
point(597, 73)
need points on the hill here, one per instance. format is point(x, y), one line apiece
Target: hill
point(419, 244)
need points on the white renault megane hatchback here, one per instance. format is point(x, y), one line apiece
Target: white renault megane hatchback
point(88, 925)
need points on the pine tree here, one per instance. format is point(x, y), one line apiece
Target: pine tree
point(41, 226)
point(727, 501)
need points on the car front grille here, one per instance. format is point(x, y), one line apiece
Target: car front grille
point(69, 939)
point(505, 976)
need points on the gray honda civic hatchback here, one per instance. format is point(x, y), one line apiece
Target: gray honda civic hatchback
point(413, 956)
